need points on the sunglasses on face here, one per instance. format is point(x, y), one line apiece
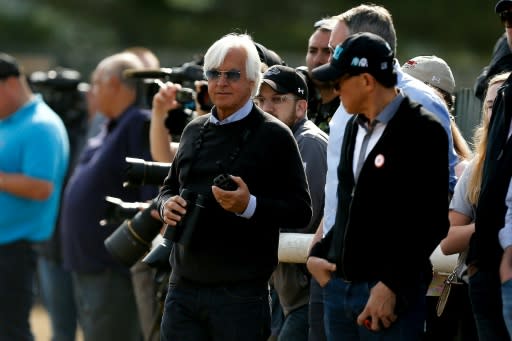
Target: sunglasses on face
point(231, 75)
point(506, 18)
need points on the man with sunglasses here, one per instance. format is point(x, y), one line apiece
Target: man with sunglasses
point(219, 283)
point(284, 93)
point(485, 253)
point(379, 282)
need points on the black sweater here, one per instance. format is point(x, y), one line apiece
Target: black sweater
point(226, 247)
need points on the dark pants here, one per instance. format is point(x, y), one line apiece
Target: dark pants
point(344, 301)
point(485, 296)
point(316, 312)
point(17, 270)
point(232, 312)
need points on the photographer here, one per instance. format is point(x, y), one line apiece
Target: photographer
point(233, 234)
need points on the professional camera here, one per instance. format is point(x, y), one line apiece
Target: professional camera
point(186, 75)
point(132, 239)
point(117, 210)
point(183, 232)
point(140, 172)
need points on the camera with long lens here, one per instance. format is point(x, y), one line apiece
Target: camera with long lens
point(118, 211)
point(186, 75)
point(184, 231)
point(133, 238)
point(139, 172)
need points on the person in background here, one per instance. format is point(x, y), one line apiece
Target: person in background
point(34, 158)
point(435, 72)
point(463, 207)
point(221, 267)
point(323, 99)
point(377, 283)
point(62, 90)
point(283, 93)
point(485, 253)
point(103, 287)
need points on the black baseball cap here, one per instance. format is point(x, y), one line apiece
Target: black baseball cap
point(268, 56)
point(362, 52)
point(285, 79)
point(502, 5)
point(8, 66)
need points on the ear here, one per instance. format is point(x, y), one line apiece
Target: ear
point(368, 80)
point(301, 106)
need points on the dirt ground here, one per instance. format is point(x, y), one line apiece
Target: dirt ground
point(41, 324)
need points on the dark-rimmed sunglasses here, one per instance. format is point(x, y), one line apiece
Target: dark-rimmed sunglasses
point(231, 75)
point(506, 18)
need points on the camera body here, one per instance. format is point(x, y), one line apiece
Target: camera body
point(225, 182)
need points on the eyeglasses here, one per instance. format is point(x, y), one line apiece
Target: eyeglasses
point(231, 75)
point(275, 100)
point(506, 18)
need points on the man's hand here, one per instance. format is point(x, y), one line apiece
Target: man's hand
point(233, 201)
point(174, 209)
point(380, 308)
point(320, 269)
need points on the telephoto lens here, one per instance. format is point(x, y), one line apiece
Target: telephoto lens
point(140, 172)
point(132, 239)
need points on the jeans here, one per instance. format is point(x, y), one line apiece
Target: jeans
point(56, 288)
point(295, 326)
point(344, 301)
point(316, 312)
point(232, 312)
point(506, 295)
point(485, 296)
point(276, 314)
point(106, 306)
point(17, 270)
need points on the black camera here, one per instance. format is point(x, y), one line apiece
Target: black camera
point(183, 232)
point(225, 182)
point(140, 172)
point(117, 210)
point(132, 239)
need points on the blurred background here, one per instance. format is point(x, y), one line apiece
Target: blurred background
point(76, 34)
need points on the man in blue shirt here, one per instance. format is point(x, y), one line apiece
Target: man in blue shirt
point(34, 156)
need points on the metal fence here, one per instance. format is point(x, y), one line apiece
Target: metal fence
point(468, 112)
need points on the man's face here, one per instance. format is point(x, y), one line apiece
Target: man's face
point(282, 106)
point(318, 50)
point(352, 93)
point(102, 91)
point(229, 95)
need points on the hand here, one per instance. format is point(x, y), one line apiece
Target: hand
point(320, 269)
point(165, 99)
point(174, 209)
point(380, 308)
point(233, 201)
point(506, 265)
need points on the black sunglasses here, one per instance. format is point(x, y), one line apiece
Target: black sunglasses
point(231, 75)
point(506, 18)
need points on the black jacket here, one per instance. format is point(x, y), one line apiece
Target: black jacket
point(389, 223)
point(226, 247)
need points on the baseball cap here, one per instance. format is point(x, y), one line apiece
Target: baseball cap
point(267, 56)
point(284, 79)
point(502, 5)
point(432, 70)
point(8, 66)
point(362, 52)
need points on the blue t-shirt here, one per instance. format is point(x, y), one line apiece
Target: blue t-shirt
point(33, 142)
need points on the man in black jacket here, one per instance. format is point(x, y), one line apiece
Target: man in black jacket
point(386, 195)
point(226, 240)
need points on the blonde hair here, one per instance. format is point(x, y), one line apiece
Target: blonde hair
point(480, 146)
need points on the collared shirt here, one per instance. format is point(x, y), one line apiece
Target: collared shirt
point(238, 115)
point(382, 121)
point(505, 233)
point(416, 91)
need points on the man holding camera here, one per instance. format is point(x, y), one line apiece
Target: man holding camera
point(219, 284)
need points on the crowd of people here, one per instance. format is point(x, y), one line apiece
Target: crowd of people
point(351, 148)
